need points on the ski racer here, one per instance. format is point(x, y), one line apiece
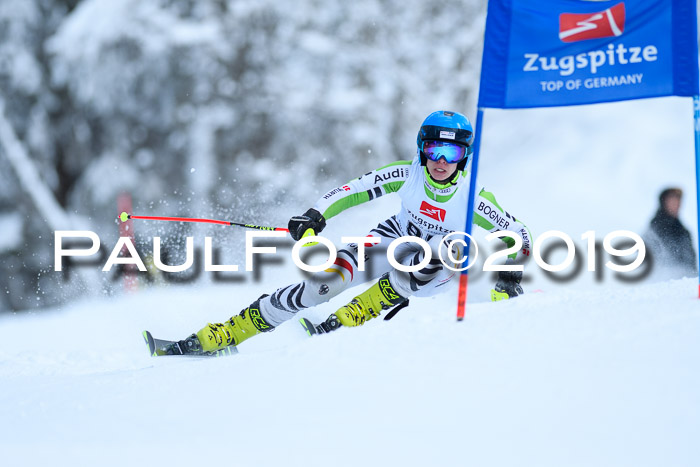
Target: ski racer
point(434, 190)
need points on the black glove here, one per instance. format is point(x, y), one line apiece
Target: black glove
point(311, 219)
point(509, 283)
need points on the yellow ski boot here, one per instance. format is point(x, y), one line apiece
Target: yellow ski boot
point(370, 303)
point(240, 327)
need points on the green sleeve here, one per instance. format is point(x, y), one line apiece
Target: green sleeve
point(490, 216)
point(370, 186)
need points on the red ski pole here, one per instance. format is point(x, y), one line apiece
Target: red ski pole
point(125, 217)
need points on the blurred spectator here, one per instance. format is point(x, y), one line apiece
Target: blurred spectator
point(668, 240)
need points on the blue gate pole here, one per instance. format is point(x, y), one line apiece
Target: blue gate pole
point(696, 118)
point(464, 277)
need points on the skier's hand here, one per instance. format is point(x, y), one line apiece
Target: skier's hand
point(306, 225)
point(507, 286)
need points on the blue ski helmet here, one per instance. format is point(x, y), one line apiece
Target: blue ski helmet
point(448, 127)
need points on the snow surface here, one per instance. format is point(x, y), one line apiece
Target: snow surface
point(573, 377)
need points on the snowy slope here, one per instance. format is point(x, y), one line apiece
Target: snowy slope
point(605, 377)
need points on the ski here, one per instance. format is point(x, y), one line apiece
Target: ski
point(308, 326)
point(330, 324)
point(162, 348)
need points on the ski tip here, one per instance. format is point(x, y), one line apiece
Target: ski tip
point(308, 326)
point(150, 343)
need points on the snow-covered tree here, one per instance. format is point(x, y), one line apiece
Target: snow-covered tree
point(224, 108)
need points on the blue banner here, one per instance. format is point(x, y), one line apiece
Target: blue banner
point(569, 52)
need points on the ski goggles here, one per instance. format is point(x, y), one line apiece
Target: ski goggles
point(451, 152)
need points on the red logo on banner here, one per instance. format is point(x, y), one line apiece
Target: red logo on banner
point(432, 212)
point(575, 27)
